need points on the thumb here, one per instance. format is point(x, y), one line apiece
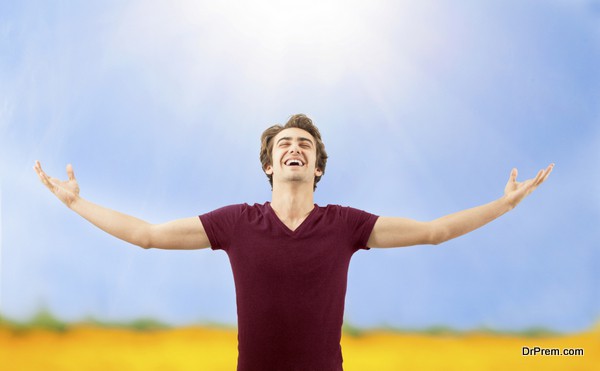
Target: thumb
point(70, 172)
point(513, 175)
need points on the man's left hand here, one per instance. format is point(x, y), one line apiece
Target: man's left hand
point(515, 192)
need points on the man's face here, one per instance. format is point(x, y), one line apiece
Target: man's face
point(294, 157)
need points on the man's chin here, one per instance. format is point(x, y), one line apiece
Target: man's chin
point(297, 178)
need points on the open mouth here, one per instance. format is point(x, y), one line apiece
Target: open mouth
point(294, 162)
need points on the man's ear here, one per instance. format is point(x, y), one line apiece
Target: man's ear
point(318, 172)
point(269, 170)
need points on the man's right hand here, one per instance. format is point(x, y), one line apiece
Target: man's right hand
point(187, 233)
point(66, 190)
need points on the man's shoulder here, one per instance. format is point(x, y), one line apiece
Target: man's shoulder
point(233, 213)
point(339, 208)
point(336, 211)
point(243, 206)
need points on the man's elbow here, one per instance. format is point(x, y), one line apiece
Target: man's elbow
point(436, 241)
point(145, 245)
point(143, 238)
point(437, 234)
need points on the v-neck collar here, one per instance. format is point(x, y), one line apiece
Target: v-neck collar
point(285, 227)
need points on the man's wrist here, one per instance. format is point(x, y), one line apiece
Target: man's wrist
point(71, 204)
point(507, 203)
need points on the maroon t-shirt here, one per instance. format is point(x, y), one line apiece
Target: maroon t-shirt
point(290, 285)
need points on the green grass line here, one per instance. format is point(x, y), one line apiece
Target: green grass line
point(44, 319)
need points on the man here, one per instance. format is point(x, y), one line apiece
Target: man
point(289, 256)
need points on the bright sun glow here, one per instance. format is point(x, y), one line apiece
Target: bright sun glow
point(275, 42)
point(323, 38)
point(309, 23)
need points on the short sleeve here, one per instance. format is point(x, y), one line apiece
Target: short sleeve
point(220, 224)
point(360, 225)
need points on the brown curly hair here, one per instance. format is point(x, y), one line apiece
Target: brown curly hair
point(300, 121)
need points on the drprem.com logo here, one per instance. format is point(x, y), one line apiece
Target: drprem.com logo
point(537, 351)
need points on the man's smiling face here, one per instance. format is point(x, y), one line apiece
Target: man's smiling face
point(294, 157)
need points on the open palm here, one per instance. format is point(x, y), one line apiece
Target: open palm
point(515, 191)
point(66, 190)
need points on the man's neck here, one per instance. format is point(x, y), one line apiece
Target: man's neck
point(292, 202)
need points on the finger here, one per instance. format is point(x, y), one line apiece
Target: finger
point(37, 166)
point(545, 174)
point(40, 172)
point(538, 177)
point(70, 172)
point(38, 169)
point(44, 178)
point(548, 171)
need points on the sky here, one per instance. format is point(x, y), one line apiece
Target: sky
point(424, 108)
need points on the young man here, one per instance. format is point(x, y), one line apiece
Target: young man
point(289, 256)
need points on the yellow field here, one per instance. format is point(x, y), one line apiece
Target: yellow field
point(90, 348)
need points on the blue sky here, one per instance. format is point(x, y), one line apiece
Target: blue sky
point(424, 107)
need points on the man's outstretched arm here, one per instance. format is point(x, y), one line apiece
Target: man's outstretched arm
point(185, 233)
point(400, 232)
